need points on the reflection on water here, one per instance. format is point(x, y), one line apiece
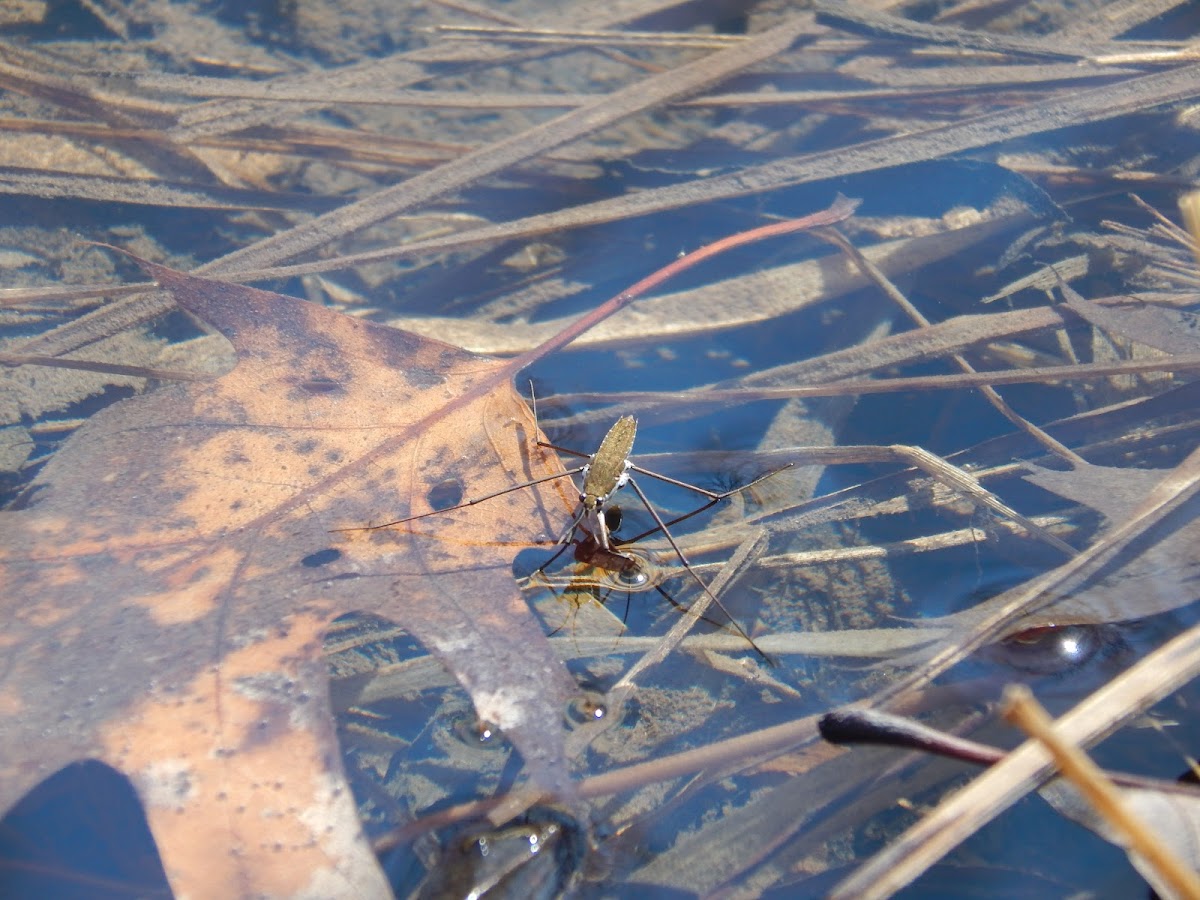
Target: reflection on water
point(536, 856)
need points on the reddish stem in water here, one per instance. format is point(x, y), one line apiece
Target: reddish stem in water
point(840, 210)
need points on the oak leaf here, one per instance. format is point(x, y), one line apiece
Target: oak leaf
point(171, 571)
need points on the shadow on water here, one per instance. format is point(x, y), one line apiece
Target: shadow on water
point(80, 834)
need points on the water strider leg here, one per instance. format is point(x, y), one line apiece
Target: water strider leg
point(687, 565)
point(713, 501)
point(576, 453)
point(466, 503)
point(712, 495)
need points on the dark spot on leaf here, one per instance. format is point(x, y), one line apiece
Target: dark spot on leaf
point(322, 386)
point(201, 574)
point(445, 494)
point(423, 377)
point(306, 446)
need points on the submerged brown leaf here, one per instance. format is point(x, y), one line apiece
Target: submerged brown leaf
point(172, 571)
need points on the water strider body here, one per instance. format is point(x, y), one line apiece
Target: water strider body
point(607, 471)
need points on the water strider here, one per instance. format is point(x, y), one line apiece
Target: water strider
point(607, 471)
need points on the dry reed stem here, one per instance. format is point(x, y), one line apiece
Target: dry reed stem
point(1021, 709)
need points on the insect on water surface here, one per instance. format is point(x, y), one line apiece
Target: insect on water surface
point(607, 471)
